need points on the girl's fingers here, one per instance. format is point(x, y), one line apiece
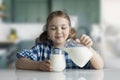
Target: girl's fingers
point(88, 44)
point(77, 40)
point(48, 66)
point(47, 61)
point(86, 40)
point(82, 37)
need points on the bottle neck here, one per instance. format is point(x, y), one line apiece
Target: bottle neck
point(57, 51)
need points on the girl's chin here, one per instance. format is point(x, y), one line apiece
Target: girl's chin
point(60, 42)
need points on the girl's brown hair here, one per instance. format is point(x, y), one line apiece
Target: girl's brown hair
point(44, 36)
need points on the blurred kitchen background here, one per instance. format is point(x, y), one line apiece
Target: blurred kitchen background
point(21, 22)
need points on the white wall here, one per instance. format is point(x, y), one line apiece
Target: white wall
point(110, 12)
point(110, 23)
point(24, 31)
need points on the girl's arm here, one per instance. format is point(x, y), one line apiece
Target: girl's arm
point(24, 63)
point(96, 59)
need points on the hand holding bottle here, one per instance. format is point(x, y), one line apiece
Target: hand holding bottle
point(85, 40)
point(45, 65)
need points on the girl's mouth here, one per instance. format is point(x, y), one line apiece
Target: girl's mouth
point(58, 37)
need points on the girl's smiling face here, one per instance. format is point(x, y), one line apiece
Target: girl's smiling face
point(58, 30)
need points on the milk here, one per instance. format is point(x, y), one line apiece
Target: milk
point(57, 60)
point(79, 55)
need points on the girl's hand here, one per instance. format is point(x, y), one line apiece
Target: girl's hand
point(45, 65)
point(86, 40)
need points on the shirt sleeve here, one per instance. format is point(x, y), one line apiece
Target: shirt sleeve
point(88, 66)
point(30, 54)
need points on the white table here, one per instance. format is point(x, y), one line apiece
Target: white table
point(105, 74)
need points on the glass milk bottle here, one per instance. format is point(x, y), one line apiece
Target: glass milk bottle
point(79, 54)
point(57, 59)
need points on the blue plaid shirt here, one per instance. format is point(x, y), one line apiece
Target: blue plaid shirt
point(42, 51)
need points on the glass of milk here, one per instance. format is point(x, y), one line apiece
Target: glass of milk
point(57, 59)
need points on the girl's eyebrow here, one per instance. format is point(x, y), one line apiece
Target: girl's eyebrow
point(52, 25)
point(63, 24)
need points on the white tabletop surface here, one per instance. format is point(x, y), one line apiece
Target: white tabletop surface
point(105, 74)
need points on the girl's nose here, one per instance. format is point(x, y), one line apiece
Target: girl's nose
point(59, 30)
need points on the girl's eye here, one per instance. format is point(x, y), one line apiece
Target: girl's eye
point(52, 28)
point(63, 27)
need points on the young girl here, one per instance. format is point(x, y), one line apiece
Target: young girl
point(57, 31)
